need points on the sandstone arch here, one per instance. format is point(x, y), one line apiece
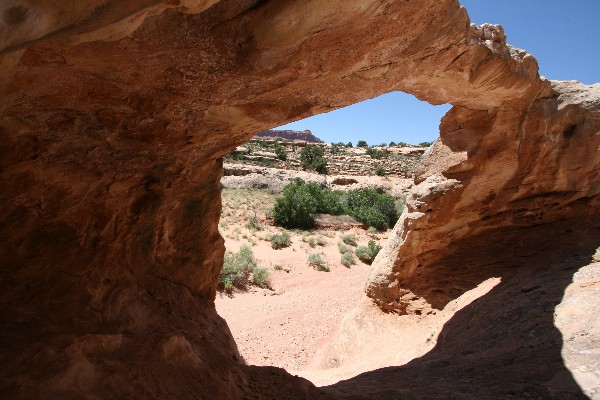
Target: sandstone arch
point(113, 119)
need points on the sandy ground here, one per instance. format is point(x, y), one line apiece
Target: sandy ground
point(285, 326)
point(538, 320)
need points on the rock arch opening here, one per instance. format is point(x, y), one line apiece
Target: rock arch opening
point(110, 174)
point(289, 321)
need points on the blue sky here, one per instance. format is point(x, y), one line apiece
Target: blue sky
point(564, 36)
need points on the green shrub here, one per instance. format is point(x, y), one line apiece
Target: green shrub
point(301, 201)
point(375, 153)
point(425, 144)
point(280, 240)
point(349, 144)
point(330, 202)
point(362, 143)
point(297, 207)
point(372, 208)
point(347, 260)
point(316, 261)
point(280, 152)
point(350, 239)
point(344, 249)
point(312, 158)
point(261, 278)
point(370, 216)
point(368, 253)
point(379, 170)
point(237, 268)
point(392, 144)
point(253, 223)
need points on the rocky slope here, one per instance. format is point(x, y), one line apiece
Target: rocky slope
point(114, 117)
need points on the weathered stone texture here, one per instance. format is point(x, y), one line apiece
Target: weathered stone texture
point(113, 119)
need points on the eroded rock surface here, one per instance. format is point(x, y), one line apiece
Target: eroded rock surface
point(113, 119)
point(501, 169)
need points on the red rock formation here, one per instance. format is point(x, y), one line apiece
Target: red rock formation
point(113, 119)
point(306, 136)
point(496, 170)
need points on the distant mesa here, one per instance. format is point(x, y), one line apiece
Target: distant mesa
point(305, 136)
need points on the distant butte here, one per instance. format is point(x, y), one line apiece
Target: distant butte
point(306, 135)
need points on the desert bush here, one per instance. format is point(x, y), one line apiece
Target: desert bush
point(379, 170)
point(375, 153)
point(301, 201)
point(237, 268)
point(362, 143)
point(296, 208)
point(280, 152)
point(350, 239)
point(372, 208)
point(329, 202)
point(368, 253)
point(261, 277)
point(343, 248)
point(316, 261)
point(312, 158)
point(371, 231)
point(280, 240)
point(253, 223)
point(372, 217)
point(425, 144)
point(347, 260)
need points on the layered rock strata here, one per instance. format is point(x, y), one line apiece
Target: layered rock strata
point(502, 169)
point(113, 120)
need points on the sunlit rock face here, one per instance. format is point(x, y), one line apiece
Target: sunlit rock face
point(113, 119)
point(501, 169)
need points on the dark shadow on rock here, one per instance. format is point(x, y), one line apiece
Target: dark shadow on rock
point(504, 345)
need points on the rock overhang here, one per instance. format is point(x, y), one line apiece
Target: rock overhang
point(114, 116)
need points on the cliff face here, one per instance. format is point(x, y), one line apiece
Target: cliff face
point(113, 119)
point(306, 136)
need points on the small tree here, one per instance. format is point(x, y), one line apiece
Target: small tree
point(392, 144)
point(362, 143)
point(425, 144)
point(349, 144)
point(280, 151)
point(312, 158)
point(375, 153)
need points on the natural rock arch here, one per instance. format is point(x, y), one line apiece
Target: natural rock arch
point(114, 117)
